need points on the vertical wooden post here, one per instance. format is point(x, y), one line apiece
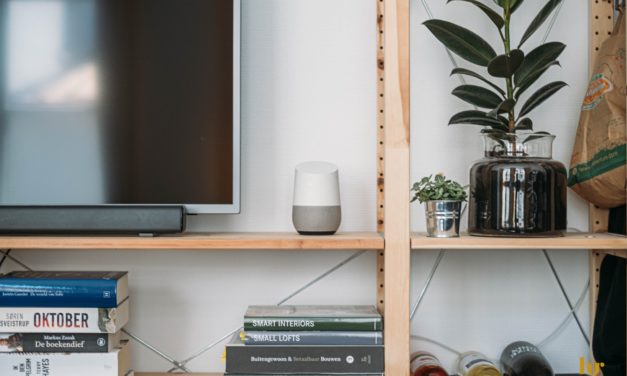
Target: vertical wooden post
point(396, 159)
point(380, 154)
point(601, 26)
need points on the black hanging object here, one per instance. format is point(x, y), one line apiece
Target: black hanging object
point(608, 343)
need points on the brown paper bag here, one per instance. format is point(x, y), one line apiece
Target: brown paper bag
point(597, 170)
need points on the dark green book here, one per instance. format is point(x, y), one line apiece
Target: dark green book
point(318, 318)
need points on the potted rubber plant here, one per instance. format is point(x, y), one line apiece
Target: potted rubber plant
point(443, 200)
point(517, 189)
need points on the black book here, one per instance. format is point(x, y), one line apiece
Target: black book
point(321, 359)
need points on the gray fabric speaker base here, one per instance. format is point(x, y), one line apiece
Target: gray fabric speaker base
point(316, 220)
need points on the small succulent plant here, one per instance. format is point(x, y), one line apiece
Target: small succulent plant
point(438, 188)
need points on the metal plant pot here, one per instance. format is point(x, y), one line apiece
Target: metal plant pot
point(443, 218)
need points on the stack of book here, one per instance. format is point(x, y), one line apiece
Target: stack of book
point(64, 324)
point(308, 340)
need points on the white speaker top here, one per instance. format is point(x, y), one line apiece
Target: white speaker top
point(316, 184)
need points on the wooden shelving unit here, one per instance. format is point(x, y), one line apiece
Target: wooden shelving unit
point(599, 241)
point(394, 243)
point(205, 242)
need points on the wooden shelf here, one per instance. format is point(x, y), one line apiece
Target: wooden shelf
point(570, 241)
point(217, 241)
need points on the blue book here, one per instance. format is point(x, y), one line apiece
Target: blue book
point(63, 289)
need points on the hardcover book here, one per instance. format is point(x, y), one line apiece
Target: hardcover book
point(302, 359)
point(63, 289)
point(313, 318)
point(114, 363)
point(312, 338)
point(63, 320)
point(59, 342)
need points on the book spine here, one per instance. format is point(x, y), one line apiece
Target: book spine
point(312, 338)
point(38, 364)
point(58, 320)
point(51, 342)
point(304, 359)
point(358, 324)
point(18, 292)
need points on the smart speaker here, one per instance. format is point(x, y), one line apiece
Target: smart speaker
point(316, 209)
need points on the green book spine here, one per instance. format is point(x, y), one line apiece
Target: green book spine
point(365, 324)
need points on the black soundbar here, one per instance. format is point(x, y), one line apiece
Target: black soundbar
point(114, 219)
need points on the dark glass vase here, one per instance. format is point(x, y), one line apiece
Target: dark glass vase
point(517, 189)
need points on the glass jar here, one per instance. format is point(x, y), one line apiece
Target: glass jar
point(517, 189)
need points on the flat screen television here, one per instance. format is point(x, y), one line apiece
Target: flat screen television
point(130, 102)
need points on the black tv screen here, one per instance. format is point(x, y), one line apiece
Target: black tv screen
point(120, 102)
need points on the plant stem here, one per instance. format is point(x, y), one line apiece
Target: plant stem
point(508, 80)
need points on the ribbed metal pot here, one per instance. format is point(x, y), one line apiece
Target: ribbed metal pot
point(443, 218)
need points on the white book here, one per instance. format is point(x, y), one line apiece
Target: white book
point(114, 363)
point(63, 320)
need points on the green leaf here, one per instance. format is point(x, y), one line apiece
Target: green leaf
point(531, 79)
point(540, 96)
point(477, 118)
point(477, 96)
point(504, 66)
point(502, 3)
point(470, 73)
point(537, 59)
point(539, 20)
point(535, 136)
point(515, 4)
point(524, 125)
point(505, 106)
point(462, 41)
point(495, 17)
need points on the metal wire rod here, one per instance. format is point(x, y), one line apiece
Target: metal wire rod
point(290, 296)
point(156, 351)
point(565, 294)
point(568, 317)
point(4, 257)
point(426, 285)
point(8, 255)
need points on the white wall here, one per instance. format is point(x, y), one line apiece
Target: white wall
point(309, 93)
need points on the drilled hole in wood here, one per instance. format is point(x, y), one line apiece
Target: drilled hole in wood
point(381, 285)
point(596, 33)
point(596, 17)
point(597, 270)
point(381, 254)
point(596, 48)
point(597, 222)
point(381, 301)
point(381, 206)
point(381, 270)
